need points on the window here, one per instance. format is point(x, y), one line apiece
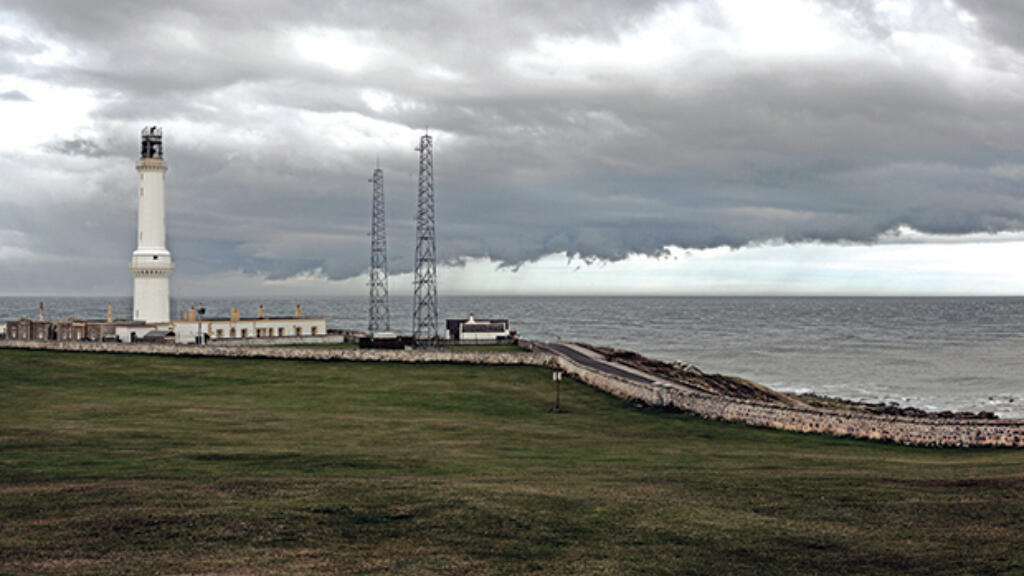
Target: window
point(220, 332)
point(298, 330)
point(312, 330)
point(245, 332)
point(280, 331)
point(232, 332)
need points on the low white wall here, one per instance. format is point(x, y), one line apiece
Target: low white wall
point(281, 341)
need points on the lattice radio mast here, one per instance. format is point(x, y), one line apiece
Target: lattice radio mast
point(380, 315)
point(424, 317)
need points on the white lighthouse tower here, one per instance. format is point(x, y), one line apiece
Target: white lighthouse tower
point(151, 262)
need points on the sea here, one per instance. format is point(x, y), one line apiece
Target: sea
point(930, 353)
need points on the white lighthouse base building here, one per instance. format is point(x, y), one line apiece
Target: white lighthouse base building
point(152, 295)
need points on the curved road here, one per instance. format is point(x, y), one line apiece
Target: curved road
point(609, 368)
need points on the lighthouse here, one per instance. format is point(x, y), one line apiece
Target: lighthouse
point(151, 262)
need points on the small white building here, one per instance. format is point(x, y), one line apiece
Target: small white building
point(477, 329)
point(135, 331)
point(235, 327)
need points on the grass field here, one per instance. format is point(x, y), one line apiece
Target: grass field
point(141, 465)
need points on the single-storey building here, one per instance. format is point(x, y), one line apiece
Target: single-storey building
point(235, 327)
point(477, 329)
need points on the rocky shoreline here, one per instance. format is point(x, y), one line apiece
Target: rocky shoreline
point(742, 389)
point(890, 409)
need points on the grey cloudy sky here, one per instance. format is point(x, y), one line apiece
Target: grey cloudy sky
point(602, 131)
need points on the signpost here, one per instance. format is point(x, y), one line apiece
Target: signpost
point(556, 377)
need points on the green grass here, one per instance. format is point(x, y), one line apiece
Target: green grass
point(139, 465)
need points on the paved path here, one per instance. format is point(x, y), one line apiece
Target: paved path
point(598, 364)
point(595, 361)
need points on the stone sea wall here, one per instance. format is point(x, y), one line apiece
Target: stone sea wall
point(899, 429)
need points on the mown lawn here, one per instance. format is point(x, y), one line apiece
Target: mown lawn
point(142, 465)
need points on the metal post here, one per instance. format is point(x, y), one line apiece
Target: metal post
point(557, 377)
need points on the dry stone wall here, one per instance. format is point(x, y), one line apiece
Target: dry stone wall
point(289, 353)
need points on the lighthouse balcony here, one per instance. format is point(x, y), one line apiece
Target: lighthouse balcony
point(151, 263)
point(151, 271)
point(145, 164)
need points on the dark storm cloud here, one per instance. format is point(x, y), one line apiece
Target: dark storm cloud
point(14, 96)
point(269, 152)
point(78, 147)
point(1000, 18)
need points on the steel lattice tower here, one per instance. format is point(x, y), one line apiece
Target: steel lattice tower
point(380, 315)
point(424, 316)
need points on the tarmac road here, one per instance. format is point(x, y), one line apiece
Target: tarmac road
point(595, 364)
